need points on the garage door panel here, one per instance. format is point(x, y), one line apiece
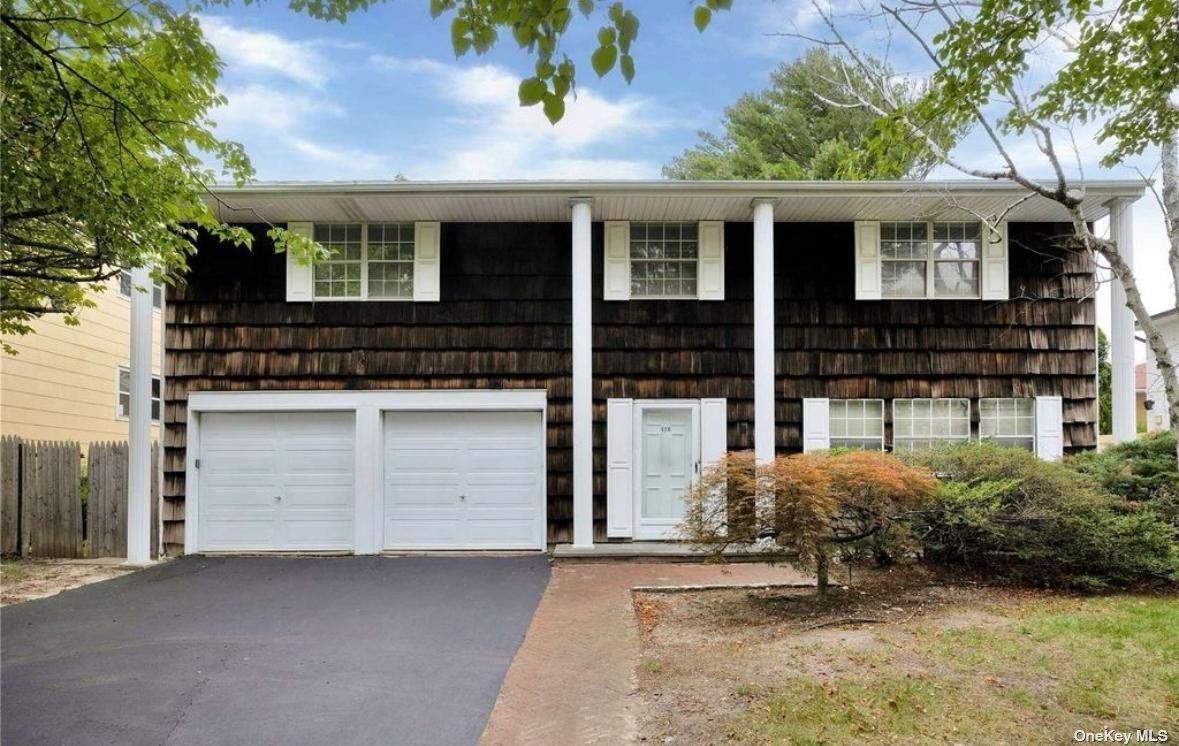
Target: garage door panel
point(463, 480)
point(277, 481)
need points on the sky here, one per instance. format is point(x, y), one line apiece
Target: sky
point(383, 95)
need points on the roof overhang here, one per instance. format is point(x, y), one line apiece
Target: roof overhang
point(549, 201)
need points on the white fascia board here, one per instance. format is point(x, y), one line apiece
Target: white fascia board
point(400, 400)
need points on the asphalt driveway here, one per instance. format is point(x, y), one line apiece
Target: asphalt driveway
point(260, 650)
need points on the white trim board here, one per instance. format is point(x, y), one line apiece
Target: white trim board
point(368, 408)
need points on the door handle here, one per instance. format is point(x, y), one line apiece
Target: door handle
point(462, 497)
point(278, 498)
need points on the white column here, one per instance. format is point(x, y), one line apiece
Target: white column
point(763, 330)
point(139, 474)
point(583, 405)
point(1121, 327)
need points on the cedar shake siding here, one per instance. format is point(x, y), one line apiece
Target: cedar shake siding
point(504, 319)
point(1042, 342)
point(503, 323)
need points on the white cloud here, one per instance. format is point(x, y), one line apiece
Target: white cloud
point(356, 160)
point(248, 50)
point(261, 107)
point(501, 139)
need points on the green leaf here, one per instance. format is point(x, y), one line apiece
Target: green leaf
point(701, 16)
point(459, 28)
point(586, 7)
point(554, 107)
point(627, 66)
point(603, 59)
point(436, 8)
point(606, 36)
point(532, 90)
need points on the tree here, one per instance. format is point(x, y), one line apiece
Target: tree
point(805, 506)
point(792, 130)
point(1114, 67)
point(1104, 385)
point(105, 120)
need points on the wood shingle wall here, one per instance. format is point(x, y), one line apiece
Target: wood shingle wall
point(504, 322)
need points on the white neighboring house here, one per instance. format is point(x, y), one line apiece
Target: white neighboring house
point(1156, 396)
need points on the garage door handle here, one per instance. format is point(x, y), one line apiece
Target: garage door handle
point(278, 498)
point(462, 497)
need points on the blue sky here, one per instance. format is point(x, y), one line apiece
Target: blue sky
point(383, 94)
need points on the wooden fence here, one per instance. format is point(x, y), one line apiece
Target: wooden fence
point(42, 513)
point(106, 508)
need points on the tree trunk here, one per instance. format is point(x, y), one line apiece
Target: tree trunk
point(822, 572)
point(1154, 338)
point(1170, 157)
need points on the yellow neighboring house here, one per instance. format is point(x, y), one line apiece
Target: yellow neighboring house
point(70, 382)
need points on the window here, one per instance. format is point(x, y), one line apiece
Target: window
point(930, 260)
point(1009, 422)
point(856, 423)
point(367, 261)
point(663, 260)
point(924, 423)
point(123, 407)
point(157, 293)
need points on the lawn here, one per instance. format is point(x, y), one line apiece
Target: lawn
point(911, 660)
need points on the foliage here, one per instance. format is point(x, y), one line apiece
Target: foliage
point(800, 128)
point(805, 503)
point(1104, 384)
point(1017, 516)
point(105, 120)
point(1142, 469)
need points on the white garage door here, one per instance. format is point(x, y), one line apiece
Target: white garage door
point(464, 480)
point(276, 481)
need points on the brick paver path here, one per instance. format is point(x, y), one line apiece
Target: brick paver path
point(573, 679)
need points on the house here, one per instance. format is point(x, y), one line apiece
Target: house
point(511, 365)
point(1157, 417)
point(69, 382)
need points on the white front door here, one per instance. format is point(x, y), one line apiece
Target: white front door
point(668, 446)
point(464, 480)
point(275, 481)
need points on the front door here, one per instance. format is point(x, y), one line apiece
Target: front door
point(668, 443)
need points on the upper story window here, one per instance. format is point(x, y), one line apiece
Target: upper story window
point(373, 260)
point(1009, 422)
point(930, 260)
point(123, 395)
point(925, 423)
point(663, 259)
point(856, 423)
point(157, 292)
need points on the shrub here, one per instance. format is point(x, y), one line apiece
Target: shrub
point(807, 503)
point(1142, 469)
point(1004, 510)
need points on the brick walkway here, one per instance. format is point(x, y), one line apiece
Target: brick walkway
point(573, 678)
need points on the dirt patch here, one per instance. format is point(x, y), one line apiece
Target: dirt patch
point(25, 580)
point(709, 657)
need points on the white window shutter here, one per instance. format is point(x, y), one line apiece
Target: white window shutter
point(620, 505)
point(1050, 427)
point(710, 263)
point(300, 277)
point(427, 258)
point(714, 430)
point(616, 261)
point(868, 260)
point(994, 262)
point(816, 430)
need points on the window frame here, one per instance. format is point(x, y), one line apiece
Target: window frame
point(935, 440)
point(157, 401)
point(1031, 437)
point(630, 259)
point(832, 439)
point(931, 261)
point(364, 294)
point(157, 293)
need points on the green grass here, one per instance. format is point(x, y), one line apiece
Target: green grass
point(1056, 666)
